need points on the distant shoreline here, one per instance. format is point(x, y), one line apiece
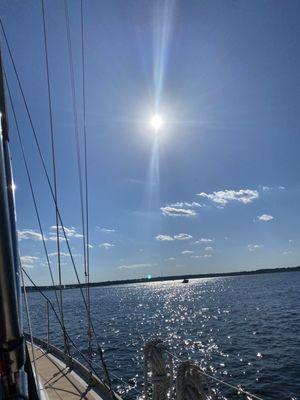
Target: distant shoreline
point(166, 278)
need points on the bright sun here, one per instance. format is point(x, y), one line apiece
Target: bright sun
point(156, 122)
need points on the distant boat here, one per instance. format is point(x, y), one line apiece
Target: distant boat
point(185, 280)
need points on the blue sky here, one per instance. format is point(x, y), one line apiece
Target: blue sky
point(217, 189)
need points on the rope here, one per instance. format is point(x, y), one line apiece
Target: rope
point(66, 347)
point(154, 353)
point(239, 390)
point(189, 383)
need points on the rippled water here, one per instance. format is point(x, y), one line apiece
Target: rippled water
point(244, 330)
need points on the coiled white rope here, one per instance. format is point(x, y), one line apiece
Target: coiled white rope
point(155, 354)
point(238, 389)
point(190, 385)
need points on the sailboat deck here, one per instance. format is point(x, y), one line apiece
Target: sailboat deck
point(58, 381)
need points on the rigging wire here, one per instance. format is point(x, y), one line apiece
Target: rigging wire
point(31, 189)
point(30, 330)
point(66, 347)
point(76, 130)
point(86, 183)
point(56, 316)
point(99, 348)
point(70, 339)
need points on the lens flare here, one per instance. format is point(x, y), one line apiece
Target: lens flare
point(156, 122)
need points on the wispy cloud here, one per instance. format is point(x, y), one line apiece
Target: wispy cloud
point(253, 247)
point(222, 197)
point(265, 217)
point(204, 240)
point(29, 234)
point(28, 261)
point(208, 248)
point(202, 256)
point(187, 252)
point(53, 238)
point(168, 238)
point(164, 238)
point(106, 245)
point(134, 181)
point(63, 254)
point(269, 188)
point(286, 253)
point(178, 212)
point(106, 230)
point(185, 204)
point(171, 259)
point(70, 232)
point(183, 236)
point(134, 266)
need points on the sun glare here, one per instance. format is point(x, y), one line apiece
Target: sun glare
point(156, 122)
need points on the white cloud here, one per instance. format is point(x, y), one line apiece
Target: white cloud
point(70, 232)
point(28, 259)
point(203, 240)
point(183, 236)
point(168, 238)
point(253, 247)
point(202, 256)
point(222, 197)
point(185, 204)
point(266, 188)
point(90, 246)
point(177, 212)
point(106, 245)
point(53, 238)
point(187, 252)
point(286, 253)
point(29, 234)
point(208, 248)
point(133, 266)
point(106, 230)
point(63, 254)
point(265, 217)
point(164, 238)
point(171, 259)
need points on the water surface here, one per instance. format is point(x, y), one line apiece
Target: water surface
point(244, 330)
